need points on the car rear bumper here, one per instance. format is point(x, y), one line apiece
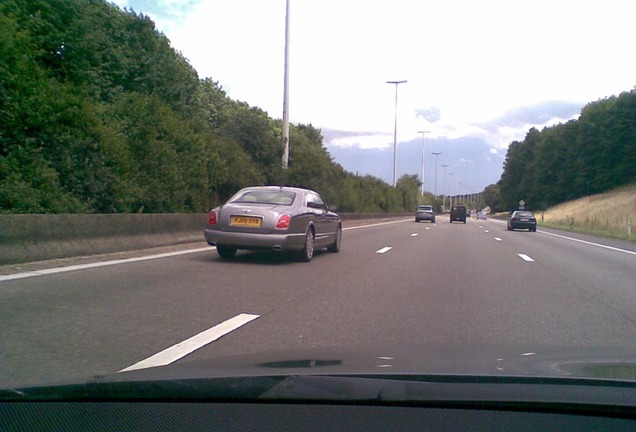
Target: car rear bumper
point(523, 225)
point(251, 241)
point(425, 216)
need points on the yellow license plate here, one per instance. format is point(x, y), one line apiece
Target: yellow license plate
point(246, 221)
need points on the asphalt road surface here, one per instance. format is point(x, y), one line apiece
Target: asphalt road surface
point(397, 282)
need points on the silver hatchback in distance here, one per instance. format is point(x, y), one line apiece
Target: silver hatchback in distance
point(274, 218)
point(425, 212)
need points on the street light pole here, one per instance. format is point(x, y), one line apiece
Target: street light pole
point(444, 187)
point(395, 127)
point(436, 154)
point(423, 153)
point(450, 204)
point(286, 93)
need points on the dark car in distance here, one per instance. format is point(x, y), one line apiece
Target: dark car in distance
point(458, 213)
point(522, 219)
point(425, 212)
point(274, 218)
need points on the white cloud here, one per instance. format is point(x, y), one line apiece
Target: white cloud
point(472, 61)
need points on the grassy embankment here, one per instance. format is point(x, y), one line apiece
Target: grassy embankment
point(607, 214)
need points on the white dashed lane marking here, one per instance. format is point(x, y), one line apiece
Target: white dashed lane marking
point(498, 239)
point(525, 258)
point(384, 250)
point(182, 349)
point(414, 235)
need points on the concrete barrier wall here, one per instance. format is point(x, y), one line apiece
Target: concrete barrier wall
point(41, 237)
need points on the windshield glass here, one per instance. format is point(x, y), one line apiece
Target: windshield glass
point(197, 183)
point(278, 197)
point(523, 214)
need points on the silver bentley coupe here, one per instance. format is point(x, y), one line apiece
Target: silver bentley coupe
point(276, 218)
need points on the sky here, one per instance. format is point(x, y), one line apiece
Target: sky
point(474, 69)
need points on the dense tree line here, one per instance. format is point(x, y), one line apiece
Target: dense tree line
point(589, 155)
point(99, 114)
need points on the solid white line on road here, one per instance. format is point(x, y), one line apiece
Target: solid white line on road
point(55, 270)
point(414, 235)
point(376, 224)
point(498, 239)
point(65, 269)
point(578, 240)
point(182, 349)
point(525, 257)
point(590, 243)
point(384, 250)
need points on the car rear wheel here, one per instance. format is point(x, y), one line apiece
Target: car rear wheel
point(335, 247)
point(225, 252)
point(307, 253)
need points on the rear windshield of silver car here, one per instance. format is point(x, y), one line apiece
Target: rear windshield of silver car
point(524, 214)
point(277, 197)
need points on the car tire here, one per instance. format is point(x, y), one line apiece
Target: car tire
point(225, 252)
point(307, 252)
point(432, 220)
point(335, 247)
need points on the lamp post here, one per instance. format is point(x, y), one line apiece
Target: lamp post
point(423, 153)
point(286, 93)
point(436, 154)
point(444, 187)
point(450, 204)
point(395, 127)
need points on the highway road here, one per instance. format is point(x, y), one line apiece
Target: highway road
point(394, 282)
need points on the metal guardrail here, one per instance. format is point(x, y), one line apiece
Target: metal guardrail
point(39, 237)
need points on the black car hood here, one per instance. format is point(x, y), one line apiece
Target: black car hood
point(430, 375)
point(417, 360)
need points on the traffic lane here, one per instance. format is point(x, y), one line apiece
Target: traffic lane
point(611, 242)
point(606, 274)
point(363, 243)
point(453, 285)
point(84, 322)
point(37, 266)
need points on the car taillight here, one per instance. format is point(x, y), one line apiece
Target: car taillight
point(283, 221)
point(212, 218)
